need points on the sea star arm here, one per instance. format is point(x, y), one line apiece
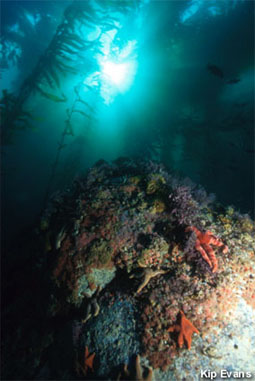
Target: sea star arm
point(88, 360)
point(176, 328)
point(217, 242)
point(192, 229)
point(188, 337)
point(181, 340)
point(203, 253)
point(213, 259)
point(148, 274)
point(139, 371)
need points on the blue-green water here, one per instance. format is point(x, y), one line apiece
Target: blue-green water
point(170, 81)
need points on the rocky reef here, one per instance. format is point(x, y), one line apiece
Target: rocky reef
point(121, 273)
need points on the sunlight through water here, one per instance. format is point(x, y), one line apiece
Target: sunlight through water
point(117, 66)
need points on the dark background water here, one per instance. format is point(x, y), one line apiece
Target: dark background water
point(175, 110)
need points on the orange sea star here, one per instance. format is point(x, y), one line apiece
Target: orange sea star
point(88, 360)
point(81, 367)
point(203, 245)
point(185, 329)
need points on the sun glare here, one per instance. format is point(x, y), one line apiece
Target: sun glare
point(117, 67)
point(115, 72)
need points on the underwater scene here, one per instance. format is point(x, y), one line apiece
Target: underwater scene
point(127, 190)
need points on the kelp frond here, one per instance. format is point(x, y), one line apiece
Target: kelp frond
point(53, 97)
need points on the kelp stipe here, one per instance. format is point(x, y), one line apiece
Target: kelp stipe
point(68, 131)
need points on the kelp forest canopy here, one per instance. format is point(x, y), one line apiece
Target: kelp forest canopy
point(61, 76)
point(70, 43)
point(162, 80)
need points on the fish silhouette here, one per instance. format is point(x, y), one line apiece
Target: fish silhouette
point(215, 70)
point(233, 81)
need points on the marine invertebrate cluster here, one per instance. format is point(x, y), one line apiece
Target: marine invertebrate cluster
point(116, 328)
point(184, 208)
point(155, 183)
point(109, 224)
point(158, 206)
point(146, 265)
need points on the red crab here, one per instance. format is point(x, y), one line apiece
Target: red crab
point(203, 245)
